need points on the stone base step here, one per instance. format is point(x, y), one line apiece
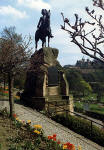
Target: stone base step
point(54, 90)
point(55, 98)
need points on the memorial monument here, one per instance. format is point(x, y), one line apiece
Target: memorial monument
point(45, 80)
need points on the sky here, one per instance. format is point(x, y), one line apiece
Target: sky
point(25, 14)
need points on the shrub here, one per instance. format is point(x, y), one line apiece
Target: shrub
point(83, 127)
point(95, 115)
point(78, 109)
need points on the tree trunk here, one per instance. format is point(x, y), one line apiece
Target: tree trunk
point(4, 82)
point(11, 101)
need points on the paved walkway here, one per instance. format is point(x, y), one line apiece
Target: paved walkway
point(50, 127)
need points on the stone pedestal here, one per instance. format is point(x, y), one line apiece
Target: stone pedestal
point(71, 105)
point(45, 79)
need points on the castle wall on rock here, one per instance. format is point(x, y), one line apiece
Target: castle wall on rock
point(45, 79)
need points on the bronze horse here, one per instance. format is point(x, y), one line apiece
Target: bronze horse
point(42, 36)
point(43, 30)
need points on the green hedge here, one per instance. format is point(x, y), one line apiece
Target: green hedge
point(95, 115)
point(78, 109)
point(83, 127)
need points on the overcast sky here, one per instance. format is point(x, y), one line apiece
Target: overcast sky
point(25, 14)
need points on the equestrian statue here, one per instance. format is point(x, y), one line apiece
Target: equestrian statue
point(43, 29)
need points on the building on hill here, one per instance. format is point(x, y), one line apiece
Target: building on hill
point(84, 63)
point(81, 64)
point(70, 66)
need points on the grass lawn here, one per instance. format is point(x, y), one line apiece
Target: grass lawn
point(93, 107)
point(97, 108)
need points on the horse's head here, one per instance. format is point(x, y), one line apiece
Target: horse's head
point(48, 14)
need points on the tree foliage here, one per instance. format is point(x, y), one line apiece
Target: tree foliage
point(15, 52)
point(85, 87)
point(76, 82)
point(98, 87)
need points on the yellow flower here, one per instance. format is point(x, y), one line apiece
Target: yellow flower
point(17, 118)
point(6, 87)
point(20, 120)
point(37, 126)
point(79, 147)
point(64, 146)
point(36, 131)
point(29, 121)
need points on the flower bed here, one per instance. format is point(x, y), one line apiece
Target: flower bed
point(50, 143)
point(3, 92)
point(6, 93)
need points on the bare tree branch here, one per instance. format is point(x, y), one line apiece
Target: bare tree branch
point(99, 3)
point(89, 42)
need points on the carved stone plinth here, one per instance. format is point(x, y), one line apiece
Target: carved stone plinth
point(45, 78)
